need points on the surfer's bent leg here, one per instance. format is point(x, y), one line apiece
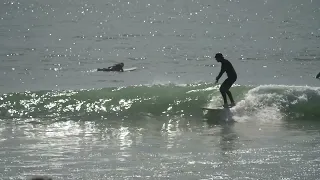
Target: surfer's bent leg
point(100, 69)
point(224, 89)
point(104, 69)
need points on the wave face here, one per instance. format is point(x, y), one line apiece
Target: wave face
point(264, 101)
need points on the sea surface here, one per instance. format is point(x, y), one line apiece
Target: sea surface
point(61, 118)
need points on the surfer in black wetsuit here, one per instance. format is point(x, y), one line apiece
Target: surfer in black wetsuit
point(117, 67)
point(227, 67)
point(41, 178)
point(318, 76)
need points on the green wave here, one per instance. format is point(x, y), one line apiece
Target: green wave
point(158, 100)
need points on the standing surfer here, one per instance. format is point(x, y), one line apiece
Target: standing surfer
point(227, 67)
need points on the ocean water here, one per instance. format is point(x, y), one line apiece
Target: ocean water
point(60, 117)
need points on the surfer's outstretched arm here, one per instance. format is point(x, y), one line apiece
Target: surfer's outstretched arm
point(318, 75)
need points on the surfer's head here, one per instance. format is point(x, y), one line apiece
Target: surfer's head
point(219, 57)
point(121, 64)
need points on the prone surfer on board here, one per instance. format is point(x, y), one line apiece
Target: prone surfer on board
point(117, 67)
point(227, 67)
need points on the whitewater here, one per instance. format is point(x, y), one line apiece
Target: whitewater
point(61, 118)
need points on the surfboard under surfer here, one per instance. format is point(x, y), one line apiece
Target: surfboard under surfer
point(227, 67)
point(117, 67)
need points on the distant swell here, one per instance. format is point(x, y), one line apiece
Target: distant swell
point(161, 100)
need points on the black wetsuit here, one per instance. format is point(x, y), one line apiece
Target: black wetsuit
point(318, 76)
point(227, 67)
point(116, 67)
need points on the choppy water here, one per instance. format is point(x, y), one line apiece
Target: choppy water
point(59, 117)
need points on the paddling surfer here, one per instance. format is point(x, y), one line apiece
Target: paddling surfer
point(227, 67)
point(117, 67)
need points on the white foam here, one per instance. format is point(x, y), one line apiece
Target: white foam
point(265, 102)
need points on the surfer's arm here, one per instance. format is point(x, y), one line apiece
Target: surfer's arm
point(221, 72)
point(121, 69)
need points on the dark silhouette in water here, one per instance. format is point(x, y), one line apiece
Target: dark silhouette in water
point(227, 67)
point(41, 178)
point(117, 67)
point(318, 75)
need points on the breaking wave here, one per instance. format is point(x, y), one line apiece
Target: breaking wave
point(265, 101)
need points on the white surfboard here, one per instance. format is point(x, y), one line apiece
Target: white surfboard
point(213, 108)
point(129, 69)
point(217, 108)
